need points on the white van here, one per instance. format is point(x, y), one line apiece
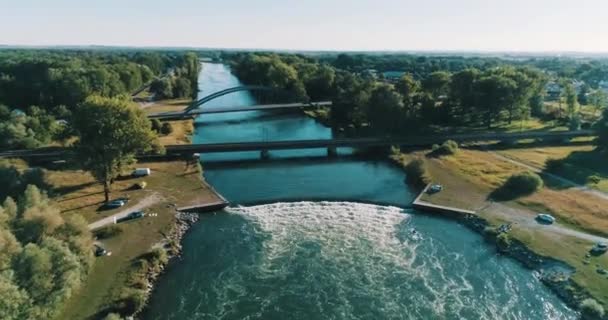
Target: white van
point(141, 172)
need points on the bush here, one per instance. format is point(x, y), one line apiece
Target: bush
point(156, 125)
point(417, 173)
point(574, 123)
point(108, 232)
point(520, 184)
point(166, 128)
point(594, 179)
point(591, 309)
point(503, 242)
point(132, 300)
point(449, 147)
point(113, 316)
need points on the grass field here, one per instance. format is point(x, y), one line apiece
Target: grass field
point(166, 105)
point(578, 162)
point(77, 193)
point(470, 176)
point(182, 131)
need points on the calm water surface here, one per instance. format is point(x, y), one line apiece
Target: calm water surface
point(317, 238)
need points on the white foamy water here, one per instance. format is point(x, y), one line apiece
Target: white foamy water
point(342, 260)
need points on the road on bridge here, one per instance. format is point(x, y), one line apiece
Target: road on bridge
point(412, 141)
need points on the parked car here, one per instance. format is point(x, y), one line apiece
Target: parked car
point(136, 215)
point(100, 251)
point(434, 189)
point(141, 172)
point(599, 248)
point(117, 203)
point(545, 218)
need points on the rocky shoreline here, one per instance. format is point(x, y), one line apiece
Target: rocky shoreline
point(556, 279)
point(172, 245)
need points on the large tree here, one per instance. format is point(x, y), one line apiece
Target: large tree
point(111, 132)
point(602, 131)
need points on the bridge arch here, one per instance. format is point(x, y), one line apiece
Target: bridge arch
point(197, 104)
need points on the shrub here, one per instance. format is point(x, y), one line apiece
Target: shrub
point(417, 173)
point(594, 179)
point(113, 316)
point(166, 128)
point(591, 309)
point(449, 147)
point(108, 232)
point(520, 184)
point(503, 242)
point(132, 300)
point(574, 124)
point(156, 125)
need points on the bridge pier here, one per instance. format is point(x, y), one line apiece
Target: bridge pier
point(332, 152)
point(265, 154)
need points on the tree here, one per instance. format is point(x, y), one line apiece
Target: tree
point(602, 131)
point(111, 132)
point(182, 88)
point(598, 99)
point(463, 91)
point(408, 88)
point(14, 302)
point(385, 108)
point(162, 88)
point(495, 95)
point(437, 83)
point(569, 96)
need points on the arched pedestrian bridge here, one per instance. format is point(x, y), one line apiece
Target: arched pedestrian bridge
point(197, 106)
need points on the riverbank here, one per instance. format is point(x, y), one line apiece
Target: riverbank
point(122, 281)
point(468, 179)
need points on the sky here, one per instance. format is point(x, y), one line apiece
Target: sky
point(400, 25)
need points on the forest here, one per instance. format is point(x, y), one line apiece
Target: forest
point(45, 256)
point(432, 92)
point(40, 89)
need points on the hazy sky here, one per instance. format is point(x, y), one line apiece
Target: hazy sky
point(495, 25)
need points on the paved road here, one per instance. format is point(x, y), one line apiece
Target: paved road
point(142, 204)
point(527, 219)
point(411, 141)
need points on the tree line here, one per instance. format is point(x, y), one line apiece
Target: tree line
point(41, 89)
point(182, 81)
point(470, 96)
point(45, 256)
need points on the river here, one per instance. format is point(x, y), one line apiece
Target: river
point(315, 238)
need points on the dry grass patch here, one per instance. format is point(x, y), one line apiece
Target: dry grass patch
point(182, 131)
point(470, 176)
point(170, 105)
point(538, 156)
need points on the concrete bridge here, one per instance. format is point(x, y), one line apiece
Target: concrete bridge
point(330, 144)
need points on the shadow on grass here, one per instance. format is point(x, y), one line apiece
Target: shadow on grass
point(580, 167)
point(74, 188)
point(505, 194)
point(82, 207)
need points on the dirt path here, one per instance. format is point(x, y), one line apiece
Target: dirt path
point(144, 203)
point(527, 219)
point(563, 180)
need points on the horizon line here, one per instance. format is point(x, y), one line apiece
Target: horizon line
point(211, 48)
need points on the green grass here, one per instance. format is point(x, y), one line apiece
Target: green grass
point(470, 176)
point(579, 162)
point(77, 193)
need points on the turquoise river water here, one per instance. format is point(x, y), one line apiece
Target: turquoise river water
point(309, 237)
